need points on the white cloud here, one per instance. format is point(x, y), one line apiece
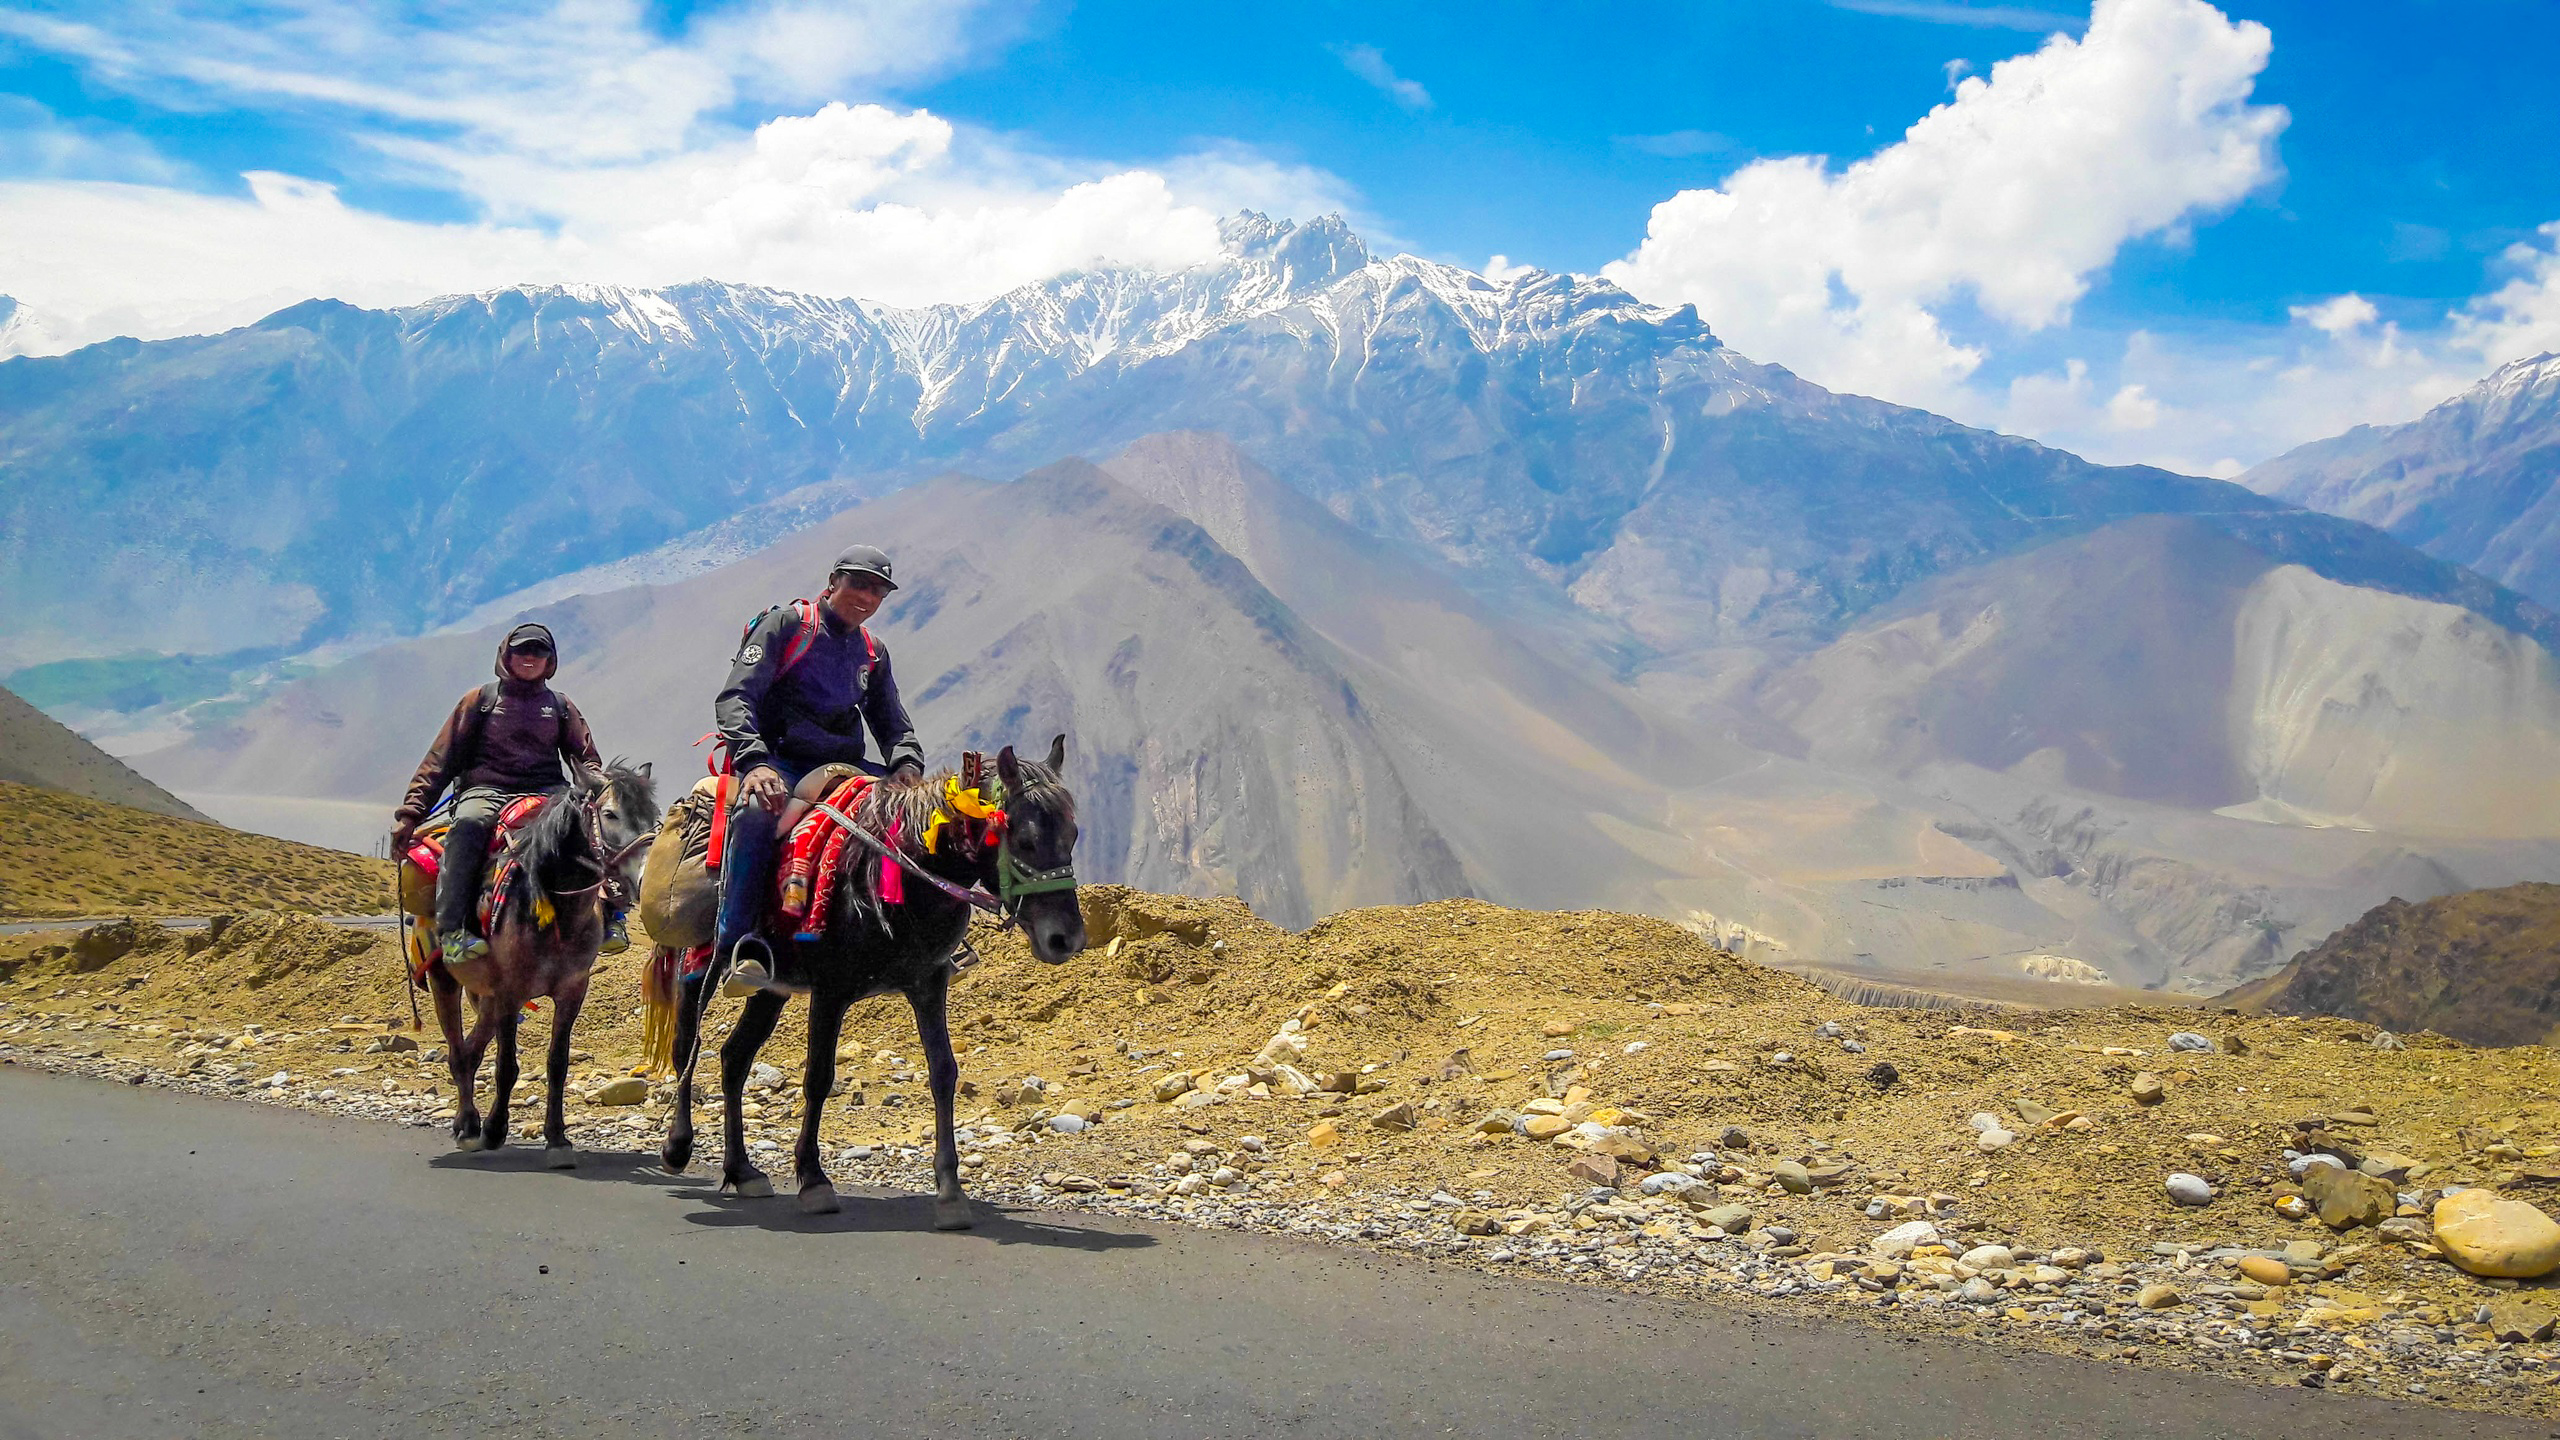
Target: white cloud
point(1366, 62)
point(2522, 317)
point(589, 147)
point(2010, 196)
point(1501, 271)
point(2338, 317)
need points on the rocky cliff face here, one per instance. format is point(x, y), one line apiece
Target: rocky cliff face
point(2475, 480)
point(2482, 966)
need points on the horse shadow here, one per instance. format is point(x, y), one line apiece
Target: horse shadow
point(863, 1212)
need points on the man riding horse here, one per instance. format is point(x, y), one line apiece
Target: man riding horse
point(806, 679)
point(514, 737)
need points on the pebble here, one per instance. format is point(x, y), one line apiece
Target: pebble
point(762, 1076)
point(1069, 1124)
point(625, 1090)
point(1989, 1257)
point(1731, 1219)
point(2157, 1296)
point(1168, 1088)
point(2190, 1040)
point(2266, 1270)
point(1996, 1138)
point(1792, 1177)
point(2185, 1189)
point(2148, 1089)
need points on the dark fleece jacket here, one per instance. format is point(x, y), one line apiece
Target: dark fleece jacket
point(521, 744)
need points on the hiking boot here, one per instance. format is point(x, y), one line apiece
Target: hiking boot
point(617, 937)
point(460, 945)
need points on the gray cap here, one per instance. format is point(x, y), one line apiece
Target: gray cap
point(864, 560)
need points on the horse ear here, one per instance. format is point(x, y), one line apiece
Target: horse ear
point(1058, 754)
point(645, 769)
point(1009, 770)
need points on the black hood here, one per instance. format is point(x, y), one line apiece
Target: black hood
point(529, 631)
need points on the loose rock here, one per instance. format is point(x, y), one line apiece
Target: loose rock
point(2487, 1235)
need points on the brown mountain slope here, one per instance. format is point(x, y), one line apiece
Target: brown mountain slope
point(63, 855)
point(2482, 966)
point(1219, 745)
point(36, 749)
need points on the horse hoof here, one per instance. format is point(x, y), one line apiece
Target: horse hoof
point(674, 1158)
point(819, 1199)
point(493, 1139)
point(466, 1140)
point(754, 1187)
point(560, 1157)
point(953, 1215)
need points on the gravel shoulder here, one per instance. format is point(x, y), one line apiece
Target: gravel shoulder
point(171, 1263)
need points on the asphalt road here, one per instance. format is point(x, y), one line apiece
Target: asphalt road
point(172, 1265)
point(184, 922)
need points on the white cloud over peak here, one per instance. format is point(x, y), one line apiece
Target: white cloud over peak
point(587, 145)
point(2010, 196)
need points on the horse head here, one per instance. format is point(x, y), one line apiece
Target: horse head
point(1035, 867)
point(624, 802)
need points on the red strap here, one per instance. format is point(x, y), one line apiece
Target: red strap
point(802, 638)
point(719, 822)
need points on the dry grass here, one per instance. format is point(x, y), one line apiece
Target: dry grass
point(66, 855)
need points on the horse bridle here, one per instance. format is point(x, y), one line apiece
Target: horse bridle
point(609, 867)
point(1013, 882)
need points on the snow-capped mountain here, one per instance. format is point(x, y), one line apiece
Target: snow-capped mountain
point(2476, 480)
point(336, 472)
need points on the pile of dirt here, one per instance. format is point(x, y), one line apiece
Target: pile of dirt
point(64, 855)
point(2481, 966)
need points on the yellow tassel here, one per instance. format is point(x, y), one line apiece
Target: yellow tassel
point(933, 833)
point(658, 1021)
point(543, 913)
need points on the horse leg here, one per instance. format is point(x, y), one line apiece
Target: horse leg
point(502, 1089)
point(557, 1152)
point(461, 1061)
point(676, 1151)
point(931, 1001)
point(755, 1026)
point(817, 1082)
point(469, 1129)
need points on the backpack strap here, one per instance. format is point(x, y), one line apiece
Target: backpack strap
point(473, 729)
point(804, 637)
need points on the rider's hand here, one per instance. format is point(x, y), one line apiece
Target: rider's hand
point(763, 786)
point(404, 833)
point(906, 772)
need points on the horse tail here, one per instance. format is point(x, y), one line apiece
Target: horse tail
point(660, 988)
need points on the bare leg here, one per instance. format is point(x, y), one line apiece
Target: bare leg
point(502, 1088)
point(737, 1057)
point(557, 1151)
point(942, 1070)
point(817, 1082)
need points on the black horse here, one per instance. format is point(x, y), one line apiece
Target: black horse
point(872, 946)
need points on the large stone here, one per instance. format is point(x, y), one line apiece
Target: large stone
point(1543, 1127)
point(2148, 1089)
point(1475, 1222)
point(2185, 1189)
point(1731, 1219)
point(1898, 1242)
point(2157, 1296)
point(628, 1090)
point(1170, 1087)
point(2487, 1235)
point(1594, 1170)
point(2266, 1269)
point(1792, 1177)
point(1324, 1135)
point(2522, 1316)
point(1398, 1116)
point(2345, 1198)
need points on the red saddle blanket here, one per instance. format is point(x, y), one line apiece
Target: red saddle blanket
point(428, 853)
point(813, 863)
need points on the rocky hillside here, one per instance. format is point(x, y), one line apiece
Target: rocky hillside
point(2481, 966)
point(36, 749)
point(2476, 480)
point(64, 854)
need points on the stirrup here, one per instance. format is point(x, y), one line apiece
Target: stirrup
point(617, 937)
point(746, 974)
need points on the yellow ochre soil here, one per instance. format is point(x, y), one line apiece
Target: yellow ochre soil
point(1454, 1009)
point(65, 855)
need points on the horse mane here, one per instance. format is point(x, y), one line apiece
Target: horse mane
point(559, 833)
point(909, 808)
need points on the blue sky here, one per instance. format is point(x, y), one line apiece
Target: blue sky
point(2351, 230)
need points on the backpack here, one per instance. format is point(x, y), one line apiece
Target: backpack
point(804, 637)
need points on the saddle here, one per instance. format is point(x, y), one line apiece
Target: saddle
point(424, 859)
